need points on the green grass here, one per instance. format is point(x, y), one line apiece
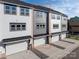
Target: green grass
point(76, 37)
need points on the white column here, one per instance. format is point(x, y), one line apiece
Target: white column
point(32, 27)
point(50, 38)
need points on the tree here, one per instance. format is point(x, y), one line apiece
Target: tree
point(76, 18)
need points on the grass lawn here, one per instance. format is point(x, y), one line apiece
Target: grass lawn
point(76, 37)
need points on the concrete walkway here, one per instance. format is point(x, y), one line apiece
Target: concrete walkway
point(73, 55)
point(23, 55)
point(57, 50)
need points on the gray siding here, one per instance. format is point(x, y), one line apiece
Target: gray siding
point(39, 20)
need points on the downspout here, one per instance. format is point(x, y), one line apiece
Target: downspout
point(47, 30)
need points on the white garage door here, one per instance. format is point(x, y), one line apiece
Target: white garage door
point(55, 38)
point(40, 41)
point(63, 36)
point(15, 48)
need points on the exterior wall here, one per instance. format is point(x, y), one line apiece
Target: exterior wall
point(38, 19)
point(1, 21)
point(55, 21)
point(64, 22)
point(6, 19)
point(2, 50)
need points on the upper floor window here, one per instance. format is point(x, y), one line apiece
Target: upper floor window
point(39, 14)
point(9, 9)
point(55, 26)
point(58, 17)
point(53, 16)
point(24, 11)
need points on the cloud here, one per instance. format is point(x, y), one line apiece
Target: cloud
point(69, 7)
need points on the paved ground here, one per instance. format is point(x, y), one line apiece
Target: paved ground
point(57, 50)
point(23, 55)
point(73, 55)
point(2, 56)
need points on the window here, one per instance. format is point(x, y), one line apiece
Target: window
point(55, 26)
point(12, 27)
point(40, 26)
point(8, 9)
point(63, 26)
point(58, 17)
point(39, 14)
point(13, 9)
point(23, 27)
point(17, 26)
point(53, 16)
point(24, 11)
point(37, 26)
point(43, 26)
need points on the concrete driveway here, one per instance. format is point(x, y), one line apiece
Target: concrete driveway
point(73, 55)
point(56, 50)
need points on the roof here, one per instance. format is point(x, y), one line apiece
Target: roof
point(19, 2)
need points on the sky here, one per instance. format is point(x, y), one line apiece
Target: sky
point(68, 7)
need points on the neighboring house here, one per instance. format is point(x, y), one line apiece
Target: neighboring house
point(23, 23)
point(58, 25)
point(73, 26)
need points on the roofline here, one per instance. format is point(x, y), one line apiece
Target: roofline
point(3, 2)
point(35, 7)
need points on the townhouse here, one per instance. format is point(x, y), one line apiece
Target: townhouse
point(57, 26)
point(23, 24)
point(15, 26)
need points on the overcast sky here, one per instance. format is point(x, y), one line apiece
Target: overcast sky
point(69, 7)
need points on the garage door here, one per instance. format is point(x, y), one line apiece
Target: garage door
point(55, 38)
point(40, 41)
point(15, 48)
point(63, 36)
